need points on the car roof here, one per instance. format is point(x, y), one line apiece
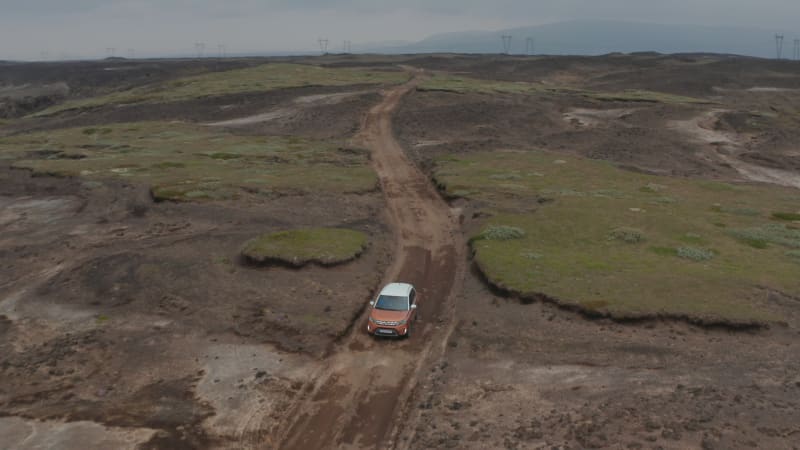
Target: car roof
point(397, 289)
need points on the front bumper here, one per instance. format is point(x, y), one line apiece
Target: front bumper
point(386, 330)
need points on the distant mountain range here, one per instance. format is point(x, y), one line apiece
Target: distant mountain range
point(602, 37)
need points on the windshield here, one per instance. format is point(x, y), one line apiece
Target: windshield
point(392, 303)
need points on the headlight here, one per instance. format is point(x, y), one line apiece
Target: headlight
point(371, 319)
point(402, 322)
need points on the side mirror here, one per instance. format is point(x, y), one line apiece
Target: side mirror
point(414, 306)
point(372, 303)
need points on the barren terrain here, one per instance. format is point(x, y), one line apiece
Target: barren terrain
point(643, 296)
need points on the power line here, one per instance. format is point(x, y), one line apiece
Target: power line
point(506, 43)
point(779, 45)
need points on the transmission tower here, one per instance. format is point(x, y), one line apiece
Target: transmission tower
point(506, 43)
point(347, 47)
point(323, 45)
point(110, 51)
point(131, 53)
point(797, 49)
point(529, 46)
point(44, 55)
point(223, 50)
point(779, 45)
point(200, 47)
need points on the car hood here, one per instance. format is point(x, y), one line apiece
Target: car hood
point(388, 316)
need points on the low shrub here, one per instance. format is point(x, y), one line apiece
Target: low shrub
point(768, 234)
point(695, 254)
point(627, 235)
point(652, 188)
point(500, 233)
point(531, 255)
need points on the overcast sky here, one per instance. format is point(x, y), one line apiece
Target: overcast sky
point(31, 29)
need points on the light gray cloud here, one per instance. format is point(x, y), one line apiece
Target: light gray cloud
point(86, 27)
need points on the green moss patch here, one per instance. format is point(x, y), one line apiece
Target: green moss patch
point(586, 238)
point(262, 78)
point(791, 217)
point(297, 248)
point(184, 162)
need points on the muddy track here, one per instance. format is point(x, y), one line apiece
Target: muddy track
point(360, 397)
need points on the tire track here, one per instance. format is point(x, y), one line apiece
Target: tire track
point(360, 397)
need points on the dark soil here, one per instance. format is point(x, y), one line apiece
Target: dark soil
point(476, 122)
point(533, 375)
point(115, 274)
point(522, 372)
point(139, 315)
point(91, 78)
point(333, 121)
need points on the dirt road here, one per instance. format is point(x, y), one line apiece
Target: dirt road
point(359, 400)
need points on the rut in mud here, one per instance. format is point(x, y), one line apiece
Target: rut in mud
point(359, 398)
